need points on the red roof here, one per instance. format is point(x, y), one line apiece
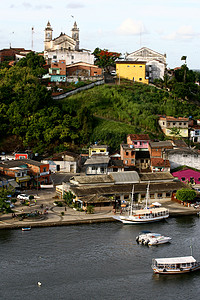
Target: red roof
point(159, 162)
point(139, 137)
point(169, 118)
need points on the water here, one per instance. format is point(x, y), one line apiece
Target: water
point(98, 261)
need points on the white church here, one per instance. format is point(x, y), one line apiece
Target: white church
point(65, 47)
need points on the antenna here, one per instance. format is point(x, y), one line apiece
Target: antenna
point(32, 30)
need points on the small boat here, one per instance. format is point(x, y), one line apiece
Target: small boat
point(175, 265)
point(26, 228)
point(152, 239)
point(144, 215)
point(157, 240)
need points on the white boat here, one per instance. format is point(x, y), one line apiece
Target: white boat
point(144, 215)
point(26, 228)
point(175, 265)
point(157, 240)
point(152, 239)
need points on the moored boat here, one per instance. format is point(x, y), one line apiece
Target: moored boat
point(143, 215)
point(175, 265)
point(26, 228)
point(157, 240)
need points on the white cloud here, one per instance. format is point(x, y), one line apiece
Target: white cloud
point(183, 33)
point(75, 5)
point(131, 27)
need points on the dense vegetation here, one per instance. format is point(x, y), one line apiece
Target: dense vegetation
point(105, 113)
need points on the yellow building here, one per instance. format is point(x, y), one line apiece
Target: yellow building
point(98, 149)
point(132, 70)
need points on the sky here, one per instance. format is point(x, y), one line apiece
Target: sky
point(170, 26)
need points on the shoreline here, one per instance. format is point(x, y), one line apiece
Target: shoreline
point(94, 219)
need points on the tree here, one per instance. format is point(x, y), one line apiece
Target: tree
point(35, 62)
point(4, 205)
point(186, 195)
point(105, 59)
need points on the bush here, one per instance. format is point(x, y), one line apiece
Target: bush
point(90, 209)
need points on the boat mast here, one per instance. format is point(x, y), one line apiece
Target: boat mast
point(147, 194)
point(132, 196)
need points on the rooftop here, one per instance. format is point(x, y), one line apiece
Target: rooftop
point(139, 137)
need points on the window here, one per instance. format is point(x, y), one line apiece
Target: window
point(180, 124)
point(126, 153)
point(174, 123)
point(94, 168)
point(182, 178)
point(44, 169)
point(159, 195)
point(133, 161)
point(54, 56)
point(135, 143)
point(140, 79)
point(72, 56)
point(126, 197)
point(184, 155)
point(163, 123)
point(102, 170)
point(184, 123)
point(101, 150)
point(142, 161)
point(132, 153)
point(168, 195)
point(140, 66)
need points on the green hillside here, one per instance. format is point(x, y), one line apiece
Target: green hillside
point(30, 119)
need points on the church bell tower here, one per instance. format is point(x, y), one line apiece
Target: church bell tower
point(48, 36)
point(75, 35)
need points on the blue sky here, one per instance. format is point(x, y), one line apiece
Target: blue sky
point(170, 26)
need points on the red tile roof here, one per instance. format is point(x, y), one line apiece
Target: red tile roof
point(169, 118)
point(159, 162)
point(139, 137)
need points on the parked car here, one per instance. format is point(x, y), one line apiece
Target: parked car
point(23, 197)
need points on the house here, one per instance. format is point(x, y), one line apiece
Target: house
point(97, 164)
point(156, 149)
point(65, 47)
point(13, 54)
point(64, 161)
point(26, 172)
point(132, 70)
point(159, 164)
point(127, 153)
point(195, 133)
point(183, 157)
point(142, 160)
point(57, 71)
point(98, 149)
point(140, 141)
point(155, 62)
point(83, 69)
point(187, 174)
point(174, 126)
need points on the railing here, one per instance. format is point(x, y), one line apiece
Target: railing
point(86, 87)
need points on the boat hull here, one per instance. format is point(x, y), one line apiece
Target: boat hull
point(176, 271)
point(132, 220)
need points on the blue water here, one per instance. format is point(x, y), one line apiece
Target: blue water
point(98, 261)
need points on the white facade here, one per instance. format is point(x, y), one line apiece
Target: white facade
point(65, 47)
point(70, 56)
point(155, 62)
point(195, 135)
point(183, 157)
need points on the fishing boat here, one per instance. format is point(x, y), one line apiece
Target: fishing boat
point(175, 265)
point(26, 228)
point(144, 215)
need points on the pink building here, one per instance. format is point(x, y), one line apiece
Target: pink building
point(188, 175)
point(140, 141)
